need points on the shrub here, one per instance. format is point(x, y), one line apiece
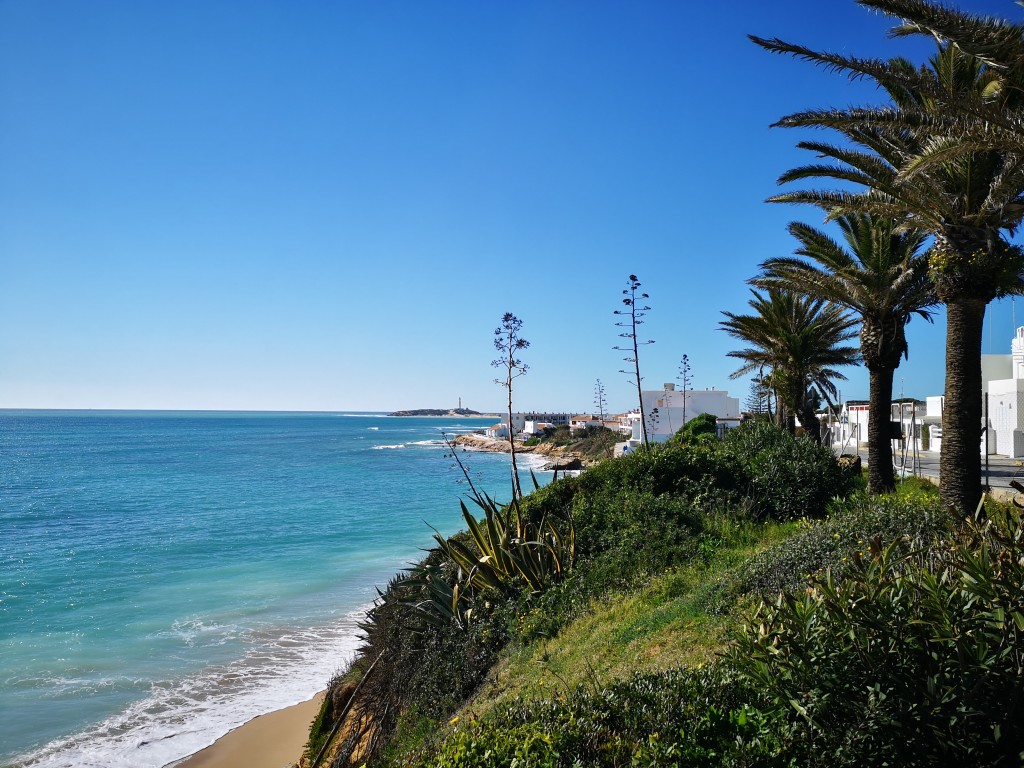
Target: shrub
point(629, 536)
point(508, 551)
point(785, 477)
point(699, 473)
point(915, 658)
point(829, 544)
point(417, 665)
point(681, 717)
point(704, 424)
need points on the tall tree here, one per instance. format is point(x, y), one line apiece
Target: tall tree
point(911, 165)
point(881, 275)
point(799, 339)
point(509, 342)
point(633, 317)
point(758, 400)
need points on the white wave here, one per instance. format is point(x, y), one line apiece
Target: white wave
point(388, 447)
point(374, 428)
point(428, 442)
point(533, 461)
point(177, 719)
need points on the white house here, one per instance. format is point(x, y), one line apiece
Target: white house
point(535, 427)
point(663, 411)
point(585, 421)
point(1002, 384)
point(497, 431)
point(1005, 399)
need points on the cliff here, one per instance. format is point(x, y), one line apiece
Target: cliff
point(562, 457)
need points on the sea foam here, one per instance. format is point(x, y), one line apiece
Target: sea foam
point(177, 719)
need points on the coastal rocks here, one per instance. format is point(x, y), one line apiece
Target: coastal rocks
point(561, 458)
point(475, 442)
point(567, 464)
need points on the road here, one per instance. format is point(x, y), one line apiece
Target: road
point(1001, 470)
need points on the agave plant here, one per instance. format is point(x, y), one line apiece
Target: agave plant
point(508, 551)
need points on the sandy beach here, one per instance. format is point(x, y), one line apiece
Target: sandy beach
point(274, 740)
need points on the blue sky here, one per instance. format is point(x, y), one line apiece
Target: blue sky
point(329, 205)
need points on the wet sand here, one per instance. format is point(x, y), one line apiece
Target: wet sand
point(274, 740)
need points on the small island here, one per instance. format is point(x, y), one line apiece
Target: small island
point(438, 412)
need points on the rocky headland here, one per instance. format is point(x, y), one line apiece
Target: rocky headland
point(561, 457)
point(439, 412)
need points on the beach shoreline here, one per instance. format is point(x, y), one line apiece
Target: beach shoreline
point(273, 740)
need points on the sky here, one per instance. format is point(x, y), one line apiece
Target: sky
point(330, 205)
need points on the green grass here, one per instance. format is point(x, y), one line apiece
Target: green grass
point(658, 626)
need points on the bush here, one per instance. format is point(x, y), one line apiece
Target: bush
point(785, 477)
point(914, 659)
point(430, 668)
point(682, 717)
point(702, 425)
point(627, 537)
point(697, 473)
point(831, 544)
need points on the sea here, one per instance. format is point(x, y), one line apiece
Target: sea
point(167, 576)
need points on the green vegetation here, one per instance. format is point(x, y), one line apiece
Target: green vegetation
point(941, 155)
point(800, 339)
point(700, 427)
point(882, 277)
point(700, 571)
point(591, 443)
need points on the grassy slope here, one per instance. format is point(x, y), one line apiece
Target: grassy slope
point(660, 625)
point(674, 618)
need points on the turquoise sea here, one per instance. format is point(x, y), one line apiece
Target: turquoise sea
point(167, 576)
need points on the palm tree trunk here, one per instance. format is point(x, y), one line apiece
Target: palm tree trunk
point(960, 461)
point(881, 478)
point(811, 423)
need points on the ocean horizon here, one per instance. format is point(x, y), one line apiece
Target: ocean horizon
point(166, 576)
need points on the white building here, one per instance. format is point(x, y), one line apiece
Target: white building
point(536, 427)
point(555, 419)
point(585, 421)
point(851, 430)
point(497, 431)
point(1002, 385)
point(1005, 396)
point(663, 411)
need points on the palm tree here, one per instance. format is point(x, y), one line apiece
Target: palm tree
point(798, 339)
point(977, 123)
point(882, 277)
point(966, 202)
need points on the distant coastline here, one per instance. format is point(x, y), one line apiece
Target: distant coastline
point(448, 412)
